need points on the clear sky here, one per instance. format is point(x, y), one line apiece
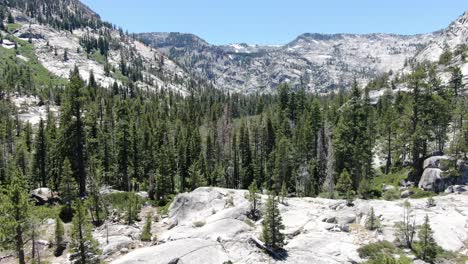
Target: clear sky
point(277, 22)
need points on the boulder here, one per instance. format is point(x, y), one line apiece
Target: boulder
point(435, 162)
point(114, 238)
point(346, 219)
point(330, 220)
point(344, 228)
point(431, 180)
point(406, 184)
point(462, 167)
point(108, 190)
point(456, 189)
point(143, 195)
point(406, 193)
point(44, 196)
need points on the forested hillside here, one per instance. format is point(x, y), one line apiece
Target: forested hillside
point(133, 135)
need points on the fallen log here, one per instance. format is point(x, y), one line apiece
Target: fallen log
point(275, 254)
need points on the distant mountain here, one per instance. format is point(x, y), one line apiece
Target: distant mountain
point(179, 62)
point(318, 62)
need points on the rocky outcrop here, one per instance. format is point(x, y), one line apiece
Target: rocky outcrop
point(44, 196)
point(441, 172)
point(431, 180)
point(317, 230)
point(317, 62)
point(113, 238)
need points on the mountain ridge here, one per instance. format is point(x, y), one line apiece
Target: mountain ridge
point(316, 61)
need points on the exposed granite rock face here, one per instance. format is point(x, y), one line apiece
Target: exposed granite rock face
point(317, 230)
point(441, 172)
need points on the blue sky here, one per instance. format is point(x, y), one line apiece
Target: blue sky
point(277, 22)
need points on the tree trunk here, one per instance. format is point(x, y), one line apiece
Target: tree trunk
point(19, 245)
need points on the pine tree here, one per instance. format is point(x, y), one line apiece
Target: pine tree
point(456, 80)
point(14, 215)
point(273, 224)
point(146, 233)
point(372, 222)
point(345, 185)
point(282, 165)
point(245, 156)
point(83, 247)
point(406, 229)
point(73, 138)
point(284, 192)
point(65, 55)
point(59, 240)
point(388, 126)
point(95, 203)
point(40, 156)
point(426, 248)
point(133, 207)
point(10, 18)
point(67, 191)
point(123, 148)
point(254, 199)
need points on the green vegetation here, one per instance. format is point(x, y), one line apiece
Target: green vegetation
point(273, 224)
point(392, 178)
point(445, 57)
point(372, 221)
point(418, 193)
point(25, 76)
point(255, 200)
point(426, 248)
point(83, 247)
point(391, 195)
point(374, 250)
point(15, 215)
point(126, 203)
point(288, 143)
point(59, 237)
point(405, 230)
point(146, 233)
point(13, 26)
point(344, 186)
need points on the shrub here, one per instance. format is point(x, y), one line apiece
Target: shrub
point(46, 212)
point(430, 202)
point(391, 195)
point(418, 193)
point(384, 259)
point(164, 209)
point(366, 190)
point(199, 223)
point(126, 203)
point(375, 250)
point(393, 178)
point(445, 57)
